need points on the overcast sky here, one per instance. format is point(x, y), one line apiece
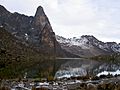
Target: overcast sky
point(70, 18)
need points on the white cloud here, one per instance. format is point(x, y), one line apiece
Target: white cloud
point(76, 17)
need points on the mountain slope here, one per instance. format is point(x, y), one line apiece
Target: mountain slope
point(32, 30)
point(87, 45)
point(16, 59)
point(35, 31)
point(28, 44)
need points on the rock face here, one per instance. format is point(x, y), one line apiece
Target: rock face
point(28, 29)
point(42, 25)
point(34, 31)
point(87, 45)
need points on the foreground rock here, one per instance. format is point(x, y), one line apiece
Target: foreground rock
point(102, 84)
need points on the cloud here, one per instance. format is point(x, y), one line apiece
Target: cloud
point(76, 17)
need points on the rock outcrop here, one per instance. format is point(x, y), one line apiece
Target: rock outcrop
point(35, 31)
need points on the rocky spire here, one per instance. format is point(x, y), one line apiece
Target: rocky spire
point(40, 18)
point(39, 12)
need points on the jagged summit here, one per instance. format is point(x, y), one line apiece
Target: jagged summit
point(88, 45)
point(2, 8)
point(88, 36)
point(3, 11)
point(23, 26)
point(34, 31)
point(84, 39)
point(40, 19)
point(39, 11)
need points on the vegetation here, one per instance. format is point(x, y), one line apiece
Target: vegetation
point(16, 59)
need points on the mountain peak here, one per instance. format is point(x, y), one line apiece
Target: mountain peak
point(40, 19)
point(39, 12)
point(88, 36)
point(40, 7)
point(88, 45)
point(3, 9)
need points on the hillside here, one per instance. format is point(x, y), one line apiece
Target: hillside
point(35, 31)
point(16, 59)
point(27, 45)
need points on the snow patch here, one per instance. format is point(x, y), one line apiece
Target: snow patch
point(44, 84)
point(116, 48)
point(81, 42)
point(26, 36)
point(75, 72)
point(1, 26)
point(109, 72)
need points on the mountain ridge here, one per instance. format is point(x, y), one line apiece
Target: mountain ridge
point(35, 31)
point(88, 44)
point(30, 43)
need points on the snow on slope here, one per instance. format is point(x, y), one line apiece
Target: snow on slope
point(87, 42)
point(82, 42)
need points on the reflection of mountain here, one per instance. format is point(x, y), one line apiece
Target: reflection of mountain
point(105, 56)
point(88, 45)
point(28, 43)
point(83, 67)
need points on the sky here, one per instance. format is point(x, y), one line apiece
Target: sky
point(73, 18)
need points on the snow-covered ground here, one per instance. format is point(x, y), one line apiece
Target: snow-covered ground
point(68, 74)
point(109, 72)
